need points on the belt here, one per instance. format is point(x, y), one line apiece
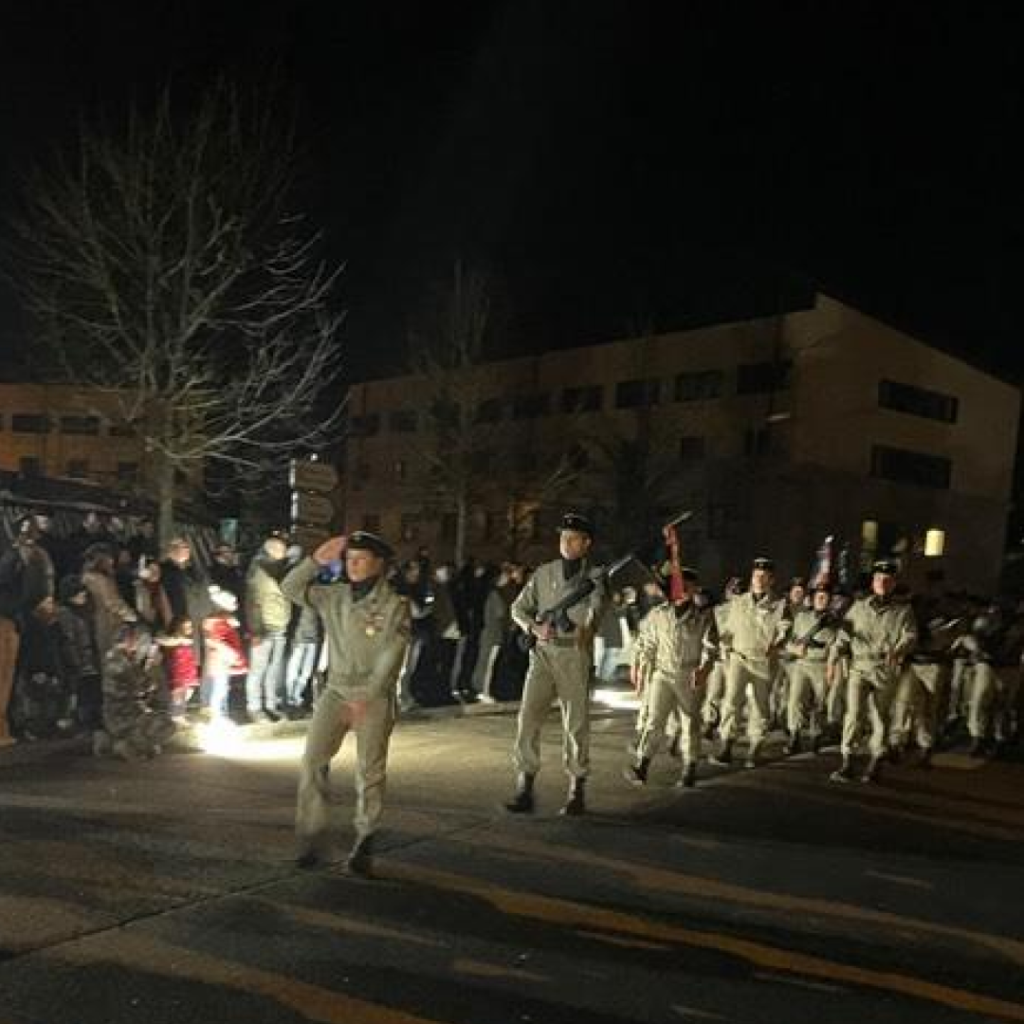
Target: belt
point(560, 641)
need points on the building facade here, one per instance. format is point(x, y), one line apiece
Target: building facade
point(775, 432)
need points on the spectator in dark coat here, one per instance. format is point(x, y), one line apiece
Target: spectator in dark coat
point(78, 645)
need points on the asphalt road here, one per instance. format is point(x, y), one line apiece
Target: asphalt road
point(165, 892)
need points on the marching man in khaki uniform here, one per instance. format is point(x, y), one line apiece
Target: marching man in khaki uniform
point(755, 628)
point(561, 663)
point(367, 628)
point(878, 633)
point(809, 645)
point(672, 658)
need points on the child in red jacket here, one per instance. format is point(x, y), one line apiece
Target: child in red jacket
point(224, 655)
point(180, 665)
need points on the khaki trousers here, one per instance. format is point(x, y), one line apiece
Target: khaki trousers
point(318, 805)
point(668, 695)
point(805, 708)
point(561, 672)
point(993, 703)
point(919, 693)
point(869, 695)
point(746, 678)
point(9, 643)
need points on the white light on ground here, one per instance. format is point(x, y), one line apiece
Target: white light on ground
point(226, 740)
point(625, 700)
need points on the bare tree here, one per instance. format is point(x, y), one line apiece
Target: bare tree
point(163, 269)
point(471, 457)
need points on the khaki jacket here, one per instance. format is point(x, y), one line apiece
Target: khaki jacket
point(755, 630)
point(875, 632)
point(805, 623)
point(546, 587)
point(672, 646)
point(367, 640)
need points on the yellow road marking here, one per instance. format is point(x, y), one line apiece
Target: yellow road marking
point(565, 913)
point(348, 925)
point(132, 949)
point(702, 887)
point(617, 940)
point(479, 969)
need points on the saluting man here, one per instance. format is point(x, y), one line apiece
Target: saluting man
point(672, 658)
point(561, 664)
point(755, 627)
point(878, 633)
point(367, 629)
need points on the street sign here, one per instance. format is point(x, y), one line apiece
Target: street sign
point(307, 475)
point(316, 509)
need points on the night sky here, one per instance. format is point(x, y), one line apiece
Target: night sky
point(609, 164)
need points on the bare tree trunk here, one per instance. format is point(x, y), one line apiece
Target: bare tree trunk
point(461, 528)
point(165, 503)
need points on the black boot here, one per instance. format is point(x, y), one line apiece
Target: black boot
point(673, 747)
point(689, 777)
point(977, 748)
point(724, 756)
point(873, 772)
point(816, 744)
point(522, 801)
point(636, 774)
point(360, 859)
point(844, 773)
point(925, 758)
point(575, 806)
point(792, 744)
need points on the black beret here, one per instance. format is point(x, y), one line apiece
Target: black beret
point(764, 563)
point(578, 522)
point(798, 581)
point(885, 566)
point(363, 540)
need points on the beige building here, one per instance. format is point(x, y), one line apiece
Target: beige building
point(775, 432)
point(54, 430)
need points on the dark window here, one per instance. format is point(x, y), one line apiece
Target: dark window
point(911, 467)
point(525, 462)
point(756, 441)
point(79, 425)
point(361, 475)
point(121, 430)
point(403, 422)
point(364, 426)
point(916, 401)
point(691, 449)
point(529, 407)
point(696, 387)
point(762, 378)
point(29, 423)
point(371, 523)
point(584, 399)
point(489, 411)
point(634, 394)
point(29, 465)
point(78, 467)
point(446, 414)
point(128, 471)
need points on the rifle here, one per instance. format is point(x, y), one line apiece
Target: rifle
point(558, 614)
